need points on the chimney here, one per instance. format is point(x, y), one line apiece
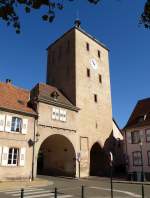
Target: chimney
point(8, 81)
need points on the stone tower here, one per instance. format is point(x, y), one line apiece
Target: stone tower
point(78, 65)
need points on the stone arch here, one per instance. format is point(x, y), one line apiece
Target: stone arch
point(56, 156)
point(99, 160)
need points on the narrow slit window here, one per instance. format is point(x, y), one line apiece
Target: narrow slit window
point(87, 46)
point(99, 53)
point(95, 97)
point(88, 72)
point(100, 78)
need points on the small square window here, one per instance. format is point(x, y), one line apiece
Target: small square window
point(88, 72)
point(100, 78)
point(87, 46)
point(95, 97)
point(99, 53)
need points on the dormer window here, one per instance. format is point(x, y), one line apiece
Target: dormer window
point(54, 95)
point(141, 118)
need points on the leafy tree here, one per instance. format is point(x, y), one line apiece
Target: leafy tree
point(145, 16)
point(8, 11)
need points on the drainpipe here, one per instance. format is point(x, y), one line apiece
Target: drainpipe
point(33, 150)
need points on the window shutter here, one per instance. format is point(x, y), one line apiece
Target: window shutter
point(5, 156)
point(61, 114)
point(53, 113)
point(129, 137)
point(8, 123)
point(142, 136)
point(57, 114)
point(24, 126)
point(2, 122)
point(22, 156)
point(0, 154)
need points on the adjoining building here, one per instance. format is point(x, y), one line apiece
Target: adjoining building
point(137, 141)
point(60, 128)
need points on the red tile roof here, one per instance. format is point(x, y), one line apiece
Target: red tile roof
point(14, 98)
point(140, 115)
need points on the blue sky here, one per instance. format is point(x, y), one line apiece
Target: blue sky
point(115, 23)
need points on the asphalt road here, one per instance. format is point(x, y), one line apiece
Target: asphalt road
point(67, 188)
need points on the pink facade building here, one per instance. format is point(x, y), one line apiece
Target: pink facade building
point(137, 141)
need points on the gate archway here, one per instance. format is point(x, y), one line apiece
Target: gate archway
point(99, 162)
point(56, 157)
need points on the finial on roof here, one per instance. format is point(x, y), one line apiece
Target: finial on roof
point(77, 23)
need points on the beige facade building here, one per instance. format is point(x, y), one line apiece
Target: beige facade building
point(137, 131)
point(62, 127)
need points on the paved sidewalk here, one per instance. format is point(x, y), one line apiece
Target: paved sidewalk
point(24, 184)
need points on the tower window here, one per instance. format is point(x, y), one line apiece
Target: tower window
point(100, 78)
point(60, 52)
point(53, 57)
point(95, 97)
point(87, 46)
point(99, 53)
point(88, 72)
point(68, 46)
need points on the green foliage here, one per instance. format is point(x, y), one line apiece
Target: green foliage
point(145, 17)
point(8, 9)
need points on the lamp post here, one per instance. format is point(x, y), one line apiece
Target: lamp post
point(142, 170)
point(32, 143)
point(111, 169)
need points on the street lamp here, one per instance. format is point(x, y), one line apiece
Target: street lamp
point(32, 143)
point(142, 171)
point(111, 169)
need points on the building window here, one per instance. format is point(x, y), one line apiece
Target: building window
point(147, 132)
point(53, 57)
point(148, 156)
point(135, 137)
point(13, 156)
point(99, 53)
point(60, 52)
point(100, 78)
point(16, 124)
point(88, 72)
point(68, 46)
point(137, 158)
point(87, 46)
point(95, 97)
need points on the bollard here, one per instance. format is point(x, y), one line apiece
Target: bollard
point(55, 193)
point(22, 192)
point(82, 191)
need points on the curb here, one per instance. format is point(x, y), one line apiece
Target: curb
point(24, 184)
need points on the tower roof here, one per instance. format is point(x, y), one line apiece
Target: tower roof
point(77, 27)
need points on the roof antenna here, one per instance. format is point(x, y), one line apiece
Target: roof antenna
point(77, 21)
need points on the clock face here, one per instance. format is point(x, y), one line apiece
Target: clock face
point(93, 63)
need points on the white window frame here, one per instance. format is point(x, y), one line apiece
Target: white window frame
point(16, 124)
point(12, 157)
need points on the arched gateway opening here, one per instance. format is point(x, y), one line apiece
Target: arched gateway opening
point(99, 162)
point(56, 157)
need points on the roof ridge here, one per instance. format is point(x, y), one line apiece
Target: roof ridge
point(23, 89)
